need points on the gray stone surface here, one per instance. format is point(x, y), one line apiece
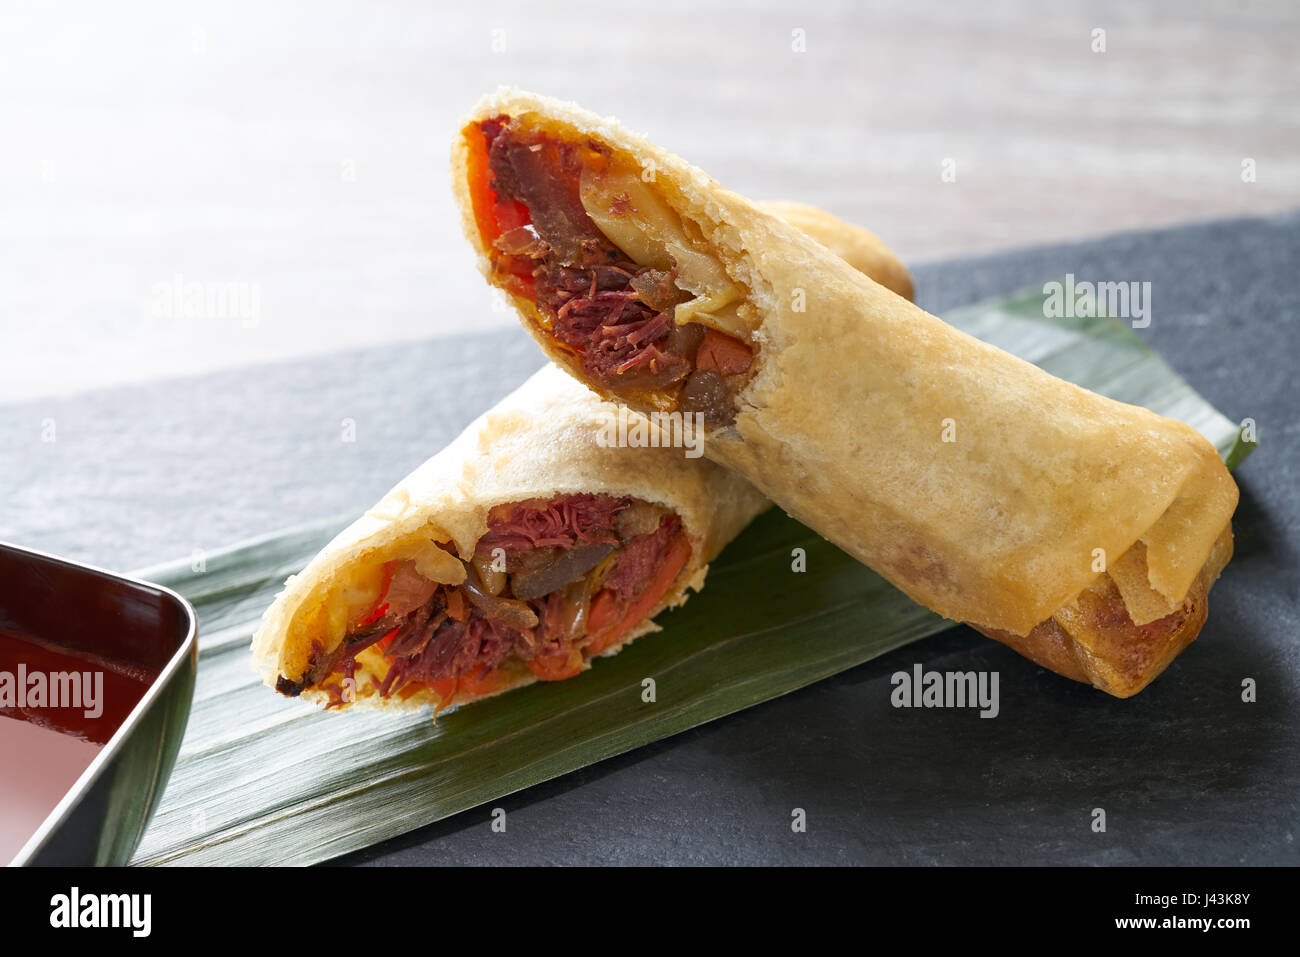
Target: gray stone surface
point(1185, 771)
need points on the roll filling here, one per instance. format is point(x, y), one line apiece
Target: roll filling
point(616, 277)
point(550, 584)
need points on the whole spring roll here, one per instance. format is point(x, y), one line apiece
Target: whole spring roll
point(526, 548)
point(1083, 532)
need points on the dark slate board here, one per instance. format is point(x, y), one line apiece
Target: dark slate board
point(1187, 773)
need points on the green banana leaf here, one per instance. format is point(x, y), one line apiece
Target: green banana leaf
point(261, 779)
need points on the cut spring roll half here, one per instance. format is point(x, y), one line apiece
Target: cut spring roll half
point(1081, 531)
point(612, 280)
point(518, 553)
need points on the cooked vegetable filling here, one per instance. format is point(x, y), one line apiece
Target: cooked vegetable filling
point(550, 584)
point(616, 277)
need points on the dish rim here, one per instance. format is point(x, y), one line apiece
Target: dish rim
point(114, 745)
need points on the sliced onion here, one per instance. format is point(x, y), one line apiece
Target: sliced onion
point(639, 518)
point(574, 606)
point(655, 288)
point(684, 340)
point(522, 241)
point(568, 566)
point(707, 393)
point(438, 564)
point(512, 613)
point(494, 581)
point(604, 192)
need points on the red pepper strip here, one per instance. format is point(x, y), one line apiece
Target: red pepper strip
point(722, 354)
point(511, 214)
point(557, 667)
point(482, 682)
point(679, 550)
point(493, 214)
point(482, 199)
point(519, 284)
point(606, 609)
point(445, 689)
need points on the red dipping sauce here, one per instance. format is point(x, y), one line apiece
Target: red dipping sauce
point(58, 707)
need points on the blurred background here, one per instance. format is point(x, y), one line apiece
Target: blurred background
point(294, 154)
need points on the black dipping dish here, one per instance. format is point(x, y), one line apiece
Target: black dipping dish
point(96, 680)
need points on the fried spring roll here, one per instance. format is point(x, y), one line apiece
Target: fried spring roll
point(1083, 532)
point(519, 553)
